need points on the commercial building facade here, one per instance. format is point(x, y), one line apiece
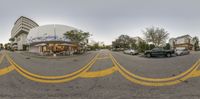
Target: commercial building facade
point(50, 39)
point(20, 32)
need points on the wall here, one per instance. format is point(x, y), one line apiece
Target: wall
point(34, 49)
point(21, 40)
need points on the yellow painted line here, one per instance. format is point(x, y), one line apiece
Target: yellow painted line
point(196, 73)
point(147, 83)
point(192, 72)
point(144, 83)
point(103, 58)
point(49, 77)
point(6, 70)
point(100, 73)
point(54, 81)
point(156, 79)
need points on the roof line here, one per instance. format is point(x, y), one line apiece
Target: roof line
point(26, 18)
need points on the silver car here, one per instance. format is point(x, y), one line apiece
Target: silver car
point(131, 52)
point(180, 52)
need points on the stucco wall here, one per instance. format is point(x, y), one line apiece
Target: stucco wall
point(34, 49)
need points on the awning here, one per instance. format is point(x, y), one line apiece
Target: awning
point(66, 44)
point(43, 44)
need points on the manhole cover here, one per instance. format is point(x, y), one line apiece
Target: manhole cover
point(28, 58)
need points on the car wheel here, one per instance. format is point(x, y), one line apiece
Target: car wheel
point(148, 55)
point(168, 55)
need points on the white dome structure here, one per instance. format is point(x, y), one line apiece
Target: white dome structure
point(50, 39)
point(48, 33)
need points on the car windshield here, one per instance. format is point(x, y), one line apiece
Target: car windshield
point(181, 49)
point(156, 49)
point(99, 49)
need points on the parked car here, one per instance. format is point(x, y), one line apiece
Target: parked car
point(180, 52)
point(117, 49)
point(158, 52)
point(131, 52)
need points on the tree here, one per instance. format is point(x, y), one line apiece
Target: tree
point(1, 46)
point(195, 42)
point(132, 43)
point(134, 46)
point(142, 46)
point(151, 46)
point(96, 46)
point(157, 36)
point(167, 46)
point(124, 41)
point(79, 38)
point(108, 47)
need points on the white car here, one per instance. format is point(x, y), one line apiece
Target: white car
point(180, 52)
point(131, 52)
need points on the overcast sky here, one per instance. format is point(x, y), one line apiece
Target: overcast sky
point(105, 19)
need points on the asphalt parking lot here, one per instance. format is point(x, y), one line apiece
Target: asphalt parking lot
point(100, 75)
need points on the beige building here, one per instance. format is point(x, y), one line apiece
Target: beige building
point(20, 31)
point(172, 43)
point(184, 41)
